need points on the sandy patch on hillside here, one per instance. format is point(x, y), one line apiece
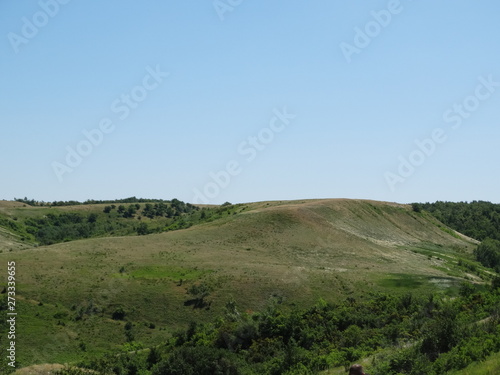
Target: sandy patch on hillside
point(46, 369)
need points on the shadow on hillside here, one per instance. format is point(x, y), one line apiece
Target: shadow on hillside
point(198, 303)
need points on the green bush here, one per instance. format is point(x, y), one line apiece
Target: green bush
point(199, 361)
point(118, 314)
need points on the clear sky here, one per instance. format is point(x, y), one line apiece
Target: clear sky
point(250, 100)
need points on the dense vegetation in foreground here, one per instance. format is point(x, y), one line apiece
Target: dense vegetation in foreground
point(405, 334)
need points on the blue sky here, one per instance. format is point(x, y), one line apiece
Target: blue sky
point(182, 87)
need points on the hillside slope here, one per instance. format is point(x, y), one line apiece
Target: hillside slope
point(10, 241)
point(81, 293)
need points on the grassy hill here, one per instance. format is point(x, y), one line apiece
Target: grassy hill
point(10, 240)
point(75, 298)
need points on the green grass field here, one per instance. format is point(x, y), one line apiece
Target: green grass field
point(69, 294)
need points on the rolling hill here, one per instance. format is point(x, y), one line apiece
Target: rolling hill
point(75, 298)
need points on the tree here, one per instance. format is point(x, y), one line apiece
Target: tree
point(170, 212)
point(130, 211)
point(160, 209)
point(417, 207)
point(231, 311)
point(142, 229)
point(148, 211)
point(92, 218)
point(488, 254)
point(154, 357)
point(118, 314)
point(495, 283)
point(442, 333)
point(199, 360)
point(199, 292)
point(467, 289)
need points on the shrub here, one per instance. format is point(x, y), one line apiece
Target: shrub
point(118, 314)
